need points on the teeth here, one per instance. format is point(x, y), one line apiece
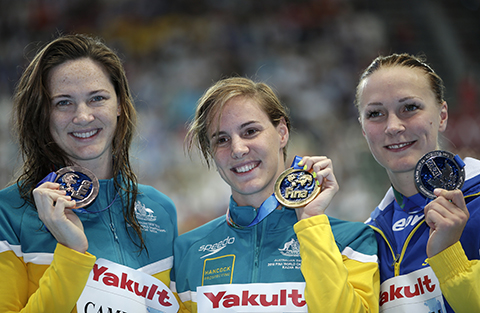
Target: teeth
point(398, 146)
point(85, 135)
point(244, 168)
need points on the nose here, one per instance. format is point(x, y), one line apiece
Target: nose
point(83, 114)
point(394, 125)
point(239, 147)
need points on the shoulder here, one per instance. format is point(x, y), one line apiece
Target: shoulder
point(13, 210)
point(10, 199)
point(152, 194)
point(210, 230)
point(472, 177)
point(356, 235)
point(383, 207)
point(348, 227)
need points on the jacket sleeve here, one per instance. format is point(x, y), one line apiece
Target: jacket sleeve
point(347, 282)
point(58, 289)
point(184, 297)
point(458, 278)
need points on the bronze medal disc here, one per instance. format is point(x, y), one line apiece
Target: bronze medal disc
point(295, 188)
point(80, 183)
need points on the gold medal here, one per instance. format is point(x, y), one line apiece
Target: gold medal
point(296, 188)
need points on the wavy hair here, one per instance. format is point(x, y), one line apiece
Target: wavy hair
point(31, 114)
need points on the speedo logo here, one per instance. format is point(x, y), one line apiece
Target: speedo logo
point(216, 247)
point(403, 223)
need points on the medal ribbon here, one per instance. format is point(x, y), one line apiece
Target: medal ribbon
point(267, 207)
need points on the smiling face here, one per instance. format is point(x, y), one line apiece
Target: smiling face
point(84, 111)
point(400, 117)
point(247, 150)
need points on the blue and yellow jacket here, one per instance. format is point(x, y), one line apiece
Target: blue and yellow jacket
point(324, 250)
point(402, 236)
point(40, 275)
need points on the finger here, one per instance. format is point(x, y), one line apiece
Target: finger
point(49, 185)
point(65, 203)
point(453, 196)
point(308, 162)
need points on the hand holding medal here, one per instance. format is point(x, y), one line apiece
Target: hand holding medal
point(439, 175)
point(309, 186)
point(54, 203)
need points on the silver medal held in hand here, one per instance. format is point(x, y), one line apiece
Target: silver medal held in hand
point(439, 169)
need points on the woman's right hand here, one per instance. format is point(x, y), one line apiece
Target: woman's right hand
point(54, 210)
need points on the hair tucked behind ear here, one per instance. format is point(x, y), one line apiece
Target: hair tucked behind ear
point(407, 60)
point(213, 101)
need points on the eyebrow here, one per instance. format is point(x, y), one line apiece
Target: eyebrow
point(241, 127)
point(91, 93)
point(400, 100)
point(406, 99)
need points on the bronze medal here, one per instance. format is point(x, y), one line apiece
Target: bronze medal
point(296, 188)
point(80, 183)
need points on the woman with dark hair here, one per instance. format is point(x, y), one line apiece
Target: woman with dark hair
point(427, 223)
point(77, 200)
point(264, 256)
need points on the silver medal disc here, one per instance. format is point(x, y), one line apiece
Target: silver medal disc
point(438, 169)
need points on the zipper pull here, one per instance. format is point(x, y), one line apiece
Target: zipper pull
point(112, 227)
point(396, 265)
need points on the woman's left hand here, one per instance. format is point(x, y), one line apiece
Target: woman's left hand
point(323, 169)
point(446, 216)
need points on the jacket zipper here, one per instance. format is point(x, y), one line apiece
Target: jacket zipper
point(398, 258)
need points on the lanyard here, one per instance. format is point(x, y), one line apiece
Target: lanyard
point(267, 207)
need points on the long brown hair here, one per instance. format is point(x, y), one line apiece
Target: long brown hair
point(31, 118)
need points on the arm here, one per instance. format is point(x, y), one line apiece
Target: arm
point(59, 284)
point(346, 282)
point(447, 216)
point(458, 278)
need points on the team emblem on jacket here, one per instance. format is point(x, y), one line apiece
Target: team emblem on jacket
point(291, 248)
point(295, 188)
point(439, 169)
point(79, 183)
point(144, 213)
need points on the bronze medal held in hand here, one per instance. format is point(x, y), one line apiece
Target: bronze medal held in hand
point(80, 183)
point(295, 188)
point(439, 169)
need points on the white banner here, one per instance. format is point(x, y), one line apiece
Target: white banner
point(117, 288)
point(252, 298)
point(417, 292)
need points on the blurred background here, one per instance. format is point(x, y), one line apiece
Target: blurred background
point(310, 51)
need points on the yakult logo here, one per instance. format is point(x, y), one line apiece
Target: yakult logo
point(247, 299)
point(101, 275)
point(276, 297)
point(395, 292)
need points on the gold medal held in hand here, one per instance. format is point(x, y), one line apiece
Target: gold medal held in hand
point(296, 188)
